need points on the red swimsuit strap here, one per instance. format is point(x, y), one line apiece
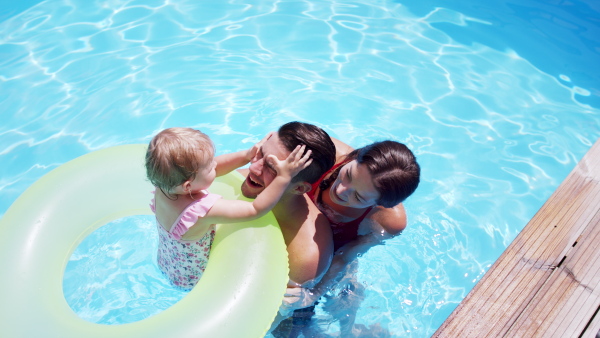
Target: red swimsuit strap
point(343, 232)
point(315, 185)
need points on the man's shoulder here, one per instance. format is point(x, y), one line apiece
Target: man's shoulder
point(318, 222)
point(301, 211)
point(309, 223)
point(316, 234)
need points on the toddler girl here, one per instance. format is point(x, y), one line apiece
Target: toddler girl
point(180, 163)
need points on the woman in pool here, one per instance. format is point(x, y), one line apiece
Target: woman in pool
point(361, 195)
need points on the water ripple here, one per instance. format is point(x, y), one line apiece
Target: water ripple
point(491, 131)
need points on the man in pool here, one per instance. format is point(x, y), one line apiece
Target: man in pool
point(305, 229)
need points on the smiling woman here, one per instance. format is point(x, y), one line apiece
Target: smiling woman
point(367, 184)
point(355, 187)
point(360, 196)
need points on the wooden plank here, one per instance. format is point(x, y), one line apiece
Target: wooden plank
point(593, 331)
point(507, 270)
point(556, 309)
point(545, 258)
point(551, 254)
point(588, 297)
point(532, 268)
point(583, 268)
point(538, 255)
point(543, 284)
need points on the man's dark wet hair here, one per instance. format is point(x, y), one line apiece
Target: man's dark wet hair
point(316, 139)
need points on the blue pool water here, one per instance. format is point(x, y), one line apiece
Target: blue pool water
point(498, 100)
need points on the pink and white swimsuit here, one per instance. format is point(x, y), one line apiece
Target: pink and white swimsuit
point(184, 262)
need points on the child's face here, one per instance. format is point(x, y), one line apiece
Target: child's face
point(204, 177)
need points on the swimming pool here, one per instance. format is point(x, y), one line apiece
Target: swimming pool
point(498, 101)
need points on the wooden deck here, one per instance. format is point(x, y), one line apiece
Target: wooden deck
point(547, 282)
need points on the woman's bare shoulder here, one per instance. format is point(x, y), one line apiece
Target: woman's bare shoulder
point(392, 220)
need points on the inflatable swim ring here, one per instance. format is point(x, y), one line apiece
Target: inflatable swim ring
point(238, 295)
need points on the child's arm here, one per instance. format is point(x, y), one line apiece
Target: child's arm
point(228, 162)
point(228, 211)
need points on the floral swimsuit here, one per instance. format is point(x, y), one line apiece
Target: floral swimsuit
point(183, 262)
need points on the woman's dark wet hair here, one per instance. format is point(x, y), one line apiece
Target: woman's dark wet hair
point(316, 139)
point(394, 168)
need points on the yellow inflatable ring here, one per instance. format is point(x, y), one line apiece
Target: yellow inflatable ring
point(238, 295)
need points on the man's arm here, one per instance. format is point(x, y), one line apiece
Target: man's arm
point(310, 248)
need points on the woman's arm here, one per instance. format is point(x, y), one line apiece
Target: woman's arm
point(384, 223)
point(298, 298)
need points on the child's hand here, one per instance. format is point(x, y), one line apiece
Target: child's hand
point(293, 164)
point(252, 151)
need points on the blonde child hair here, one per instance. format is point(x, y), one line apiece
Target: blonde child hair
point(175, 155)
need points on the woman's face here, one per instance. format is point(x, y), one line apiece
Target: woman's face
point(354, 187)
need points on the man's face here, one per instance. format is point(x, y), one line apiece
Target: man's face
point(261, 173)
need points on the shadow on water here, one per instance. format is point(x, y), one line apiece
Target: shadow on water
point(544, 33)
point(339, 306)
point(15, 8)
